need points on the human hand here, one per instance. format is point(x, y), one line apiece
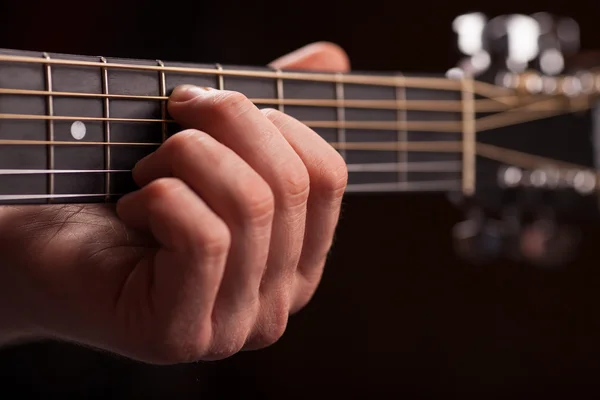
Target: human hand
point(227, 237)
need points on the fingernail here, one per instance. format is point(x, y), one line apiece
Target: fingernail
point(188, 92)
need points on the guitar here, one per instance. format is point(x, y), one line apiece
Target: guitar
point(511, 134)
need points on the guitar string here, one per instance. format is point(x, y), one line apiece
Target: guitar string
point(425, 126)
point(521, 114)
point(481, 88)
point(435, 146)
point(413, 186)
point(482, 105)
point(520, 159)
point(423, 166)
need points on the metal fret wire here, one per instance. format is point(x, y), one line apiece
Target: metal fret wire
point(220, 81)
point(50, 106)
point(280, 95)
point(162, 82)
point(107, 154)
point(341, 115)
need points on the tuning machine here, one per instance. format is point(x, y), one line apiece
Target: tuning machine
point(516, 43)
point(548, 179)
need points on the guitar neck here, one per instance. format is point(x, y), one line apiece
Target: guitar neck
point(72, 127)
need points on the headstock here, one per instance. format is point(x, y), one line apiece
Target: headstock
point(538, 151)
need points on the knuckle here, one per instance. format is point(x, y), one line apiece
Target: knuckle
point(215, 240)
point(258, 204)
point(273, 325)
point(330, 176)
point(163, 189)
point(180, 142)
point(226, 348)
point(231, 104)
point(295, 183)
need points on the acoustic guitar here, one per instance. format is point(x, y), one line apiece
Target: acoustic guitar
point(511, 134)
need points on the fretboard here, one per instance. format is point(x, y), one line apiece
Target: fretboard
point(73, 127)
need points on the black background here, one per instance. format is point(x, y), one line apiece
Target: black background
point(397, 315)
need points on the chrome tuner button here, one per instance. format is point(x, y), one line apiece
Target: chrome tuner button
point(538, 178)
point(587, 82)
point(534, 84)
point(552, 177)
point(584, 182)
point(549, 85)
point(508, 80)
point(510, 177)
point(571, 86)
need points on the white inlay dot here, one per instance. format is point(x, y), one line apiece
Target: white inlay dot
point(78, 130)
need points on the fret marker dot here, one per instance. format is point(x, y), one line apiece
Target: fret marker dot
point(78, 130)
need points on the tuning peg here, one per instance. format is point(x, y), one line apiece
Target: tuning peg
point(559, 38)
point(478, 240)
point(557, 31)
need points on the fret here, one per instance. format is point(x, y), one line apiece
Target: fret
point(382, 178)
point(265, 88)
point(77, 131)
point(32, 77)
point(174, 79)
point(280, 96)
point(107, 166)
point(296, 90)
point(220, 80)
point(163, 104)
point(453, 117)
point(402, 132)
point(50, 105)
point(341, 115)
point(138, 83)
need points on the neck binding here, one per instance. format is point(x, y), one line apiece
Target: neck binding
point(72, 127)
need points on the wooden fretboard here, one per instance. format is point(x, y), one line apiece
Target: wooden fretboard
point(72, 127)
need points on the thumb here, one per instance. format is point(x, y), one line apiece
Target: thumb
point(319, 56)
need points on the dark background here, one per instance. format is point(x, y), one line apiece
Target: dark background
point(397, 315)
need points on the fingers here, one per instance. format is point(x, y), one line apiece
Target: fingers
point(328, 178)
point(245, 203)
point(234, 121)
point(320, 56)
point(178, 286)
